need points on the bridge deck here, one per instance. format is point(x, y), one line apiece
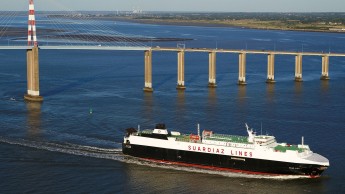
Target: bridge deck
point(247, 51)
point(172, 49)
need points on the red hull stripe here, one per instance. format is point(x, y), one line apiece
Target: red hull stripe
point(217, 168)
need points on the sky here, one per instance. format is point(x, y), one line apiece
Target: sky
point(180, 5)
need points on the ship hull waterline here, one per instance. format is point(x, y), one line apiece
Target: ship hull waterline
point(222, 162)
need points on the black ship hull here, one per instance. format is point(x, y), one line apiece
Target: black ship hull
point(223, 162)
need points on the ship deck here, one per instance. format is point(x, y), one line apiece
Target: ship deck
point(229, 138)
point(281, 148)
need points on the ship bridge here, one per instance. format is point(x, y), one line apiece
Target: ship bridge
point(265, 140)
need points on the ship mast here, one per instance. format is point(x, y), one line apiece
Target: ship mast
point(302, 141)
point(251, 134)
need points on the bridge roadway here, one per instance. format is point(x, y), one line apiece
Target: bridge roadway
point(86, 47)
point(172, 49)
point(237, 51)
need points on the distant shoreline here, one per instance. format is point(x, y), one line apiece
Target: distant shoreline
point(313, 22)
point(210, 24)
point(302, 22)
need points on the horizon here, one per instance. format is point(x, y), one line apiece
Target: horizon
point(177, 11)
point(276, 6)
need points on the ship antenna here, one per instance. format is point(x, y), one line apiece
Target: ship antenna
point(261, 128)
point(198, 129)
point(138, 128)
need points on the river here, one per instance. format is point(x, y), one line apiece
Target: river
point(71, 143)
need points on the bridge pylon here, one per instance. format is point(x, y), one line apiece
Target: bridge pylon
point(32, 38)
point(32, 60)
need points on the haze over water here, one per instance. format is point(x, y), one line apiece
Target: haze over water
point(58, 146)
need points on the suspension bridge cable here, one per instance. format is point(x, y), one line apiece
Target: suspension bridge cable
point(69, 27)
point(88, 25)
point(6, 22)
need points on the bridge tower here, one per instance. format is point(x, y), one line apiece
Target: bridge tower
point(32, 62)
point(32, 38)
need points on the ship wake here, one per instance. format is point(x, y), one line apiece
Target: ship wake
point(68, 148)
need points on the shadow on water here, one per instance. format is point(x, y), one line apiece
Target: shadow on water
point(181, 102)
point(34, 119)
point(324, 86)
point(324, 92)
point(242, 96)
point(148, 107)
point(180, 111)
point(211, 106)
point(242, 105)
point(212, 98)
point(298, 88)
point(270, 93)
point(299, 92)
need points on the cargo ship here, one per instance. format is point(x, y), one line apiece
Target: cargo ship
point(252, 154)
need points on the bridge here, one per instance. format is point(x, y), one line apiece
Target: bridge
point(131, 44)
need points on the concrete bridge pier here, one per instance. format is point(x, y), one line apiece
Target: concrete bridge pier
point(325, 67)
point(33, 84)
point(298, 68)
point(270, 68)
point(242, 69)
point(212, 69)
point(180, 70)
point(148, 71)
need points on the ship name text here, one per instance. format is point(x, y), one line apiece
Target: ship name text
point(219, 151)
